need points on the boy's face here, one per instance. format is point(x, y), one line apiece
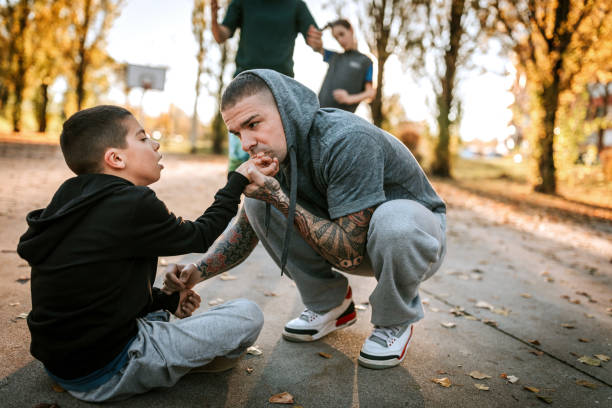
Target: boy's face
point(142, 166)
point(257, 123)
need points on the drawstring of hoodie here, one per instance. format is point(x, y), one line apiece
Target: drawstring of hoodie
point(292, 202)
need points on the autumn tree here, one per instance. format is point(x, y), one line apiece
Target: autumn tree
point(554, 43)
point(90, 22)
point(198, 27)
point(389, 28)
point(450, 30)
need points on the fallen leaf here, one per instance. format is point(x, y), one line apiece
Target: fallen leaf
point(583, 294)
point(545, 399)
point(484, 305)
point(589, 316)
point(444, 382)
point(490, 322)
point(565, 297)
point(526, 295)
point(478, 375)
point(534, 342)
point(502, 311)
point(457, 311)
point(471, 317)
point(602, 357)
point(361, 307)
point(441, 372)
point(282, 398)
point(481, 387)
point(22, 316)
point(536, 352)
point(448, 325)
point(591, 300)
point(254, 350)
point(227, 277)
point(14, 304)
point(550, 280)
point(545, 273)
point(215, 302)
point(586, 384)
point(575, 301)
point(512, 379)
point(590, 361)
point(583, 340)
point(504, 376)
point(574, 354)
point(532, 389)
point(22, 279)
point(434, 309)
point(270, 294)
point(324, 355)
point(57, 388)
point(249, 370)
point(425, 301)
point(568, 326)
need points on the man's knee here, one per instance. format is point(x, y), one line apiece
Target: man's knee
point(250, 312)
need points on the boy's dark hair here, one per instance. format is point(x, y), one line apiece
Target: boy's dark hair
point(88, 133)
point(243, 86)
point(339, 22)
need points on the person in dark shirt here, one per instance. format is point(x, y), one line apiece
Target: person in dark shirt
point(97, 324)
point(348, 80)
point(268, 30)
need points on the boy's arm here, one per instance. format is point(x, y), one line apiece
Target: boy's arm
point(233, 247)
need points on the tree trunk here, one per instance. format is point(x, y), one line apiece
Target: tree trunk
point(20, 71)
point(549, 100)
point(218, 129)
point(441, 164)
point(41, 114)
point(82, 57)
point(376, 105)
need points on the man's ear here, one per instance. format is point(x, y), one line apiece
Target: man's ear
point(114, 159)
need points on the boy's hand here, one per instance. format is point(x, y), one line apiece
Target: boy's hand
point(189, 301)
point(180, 277)
point(263, 187)
point(313, 39)
point(265, 164)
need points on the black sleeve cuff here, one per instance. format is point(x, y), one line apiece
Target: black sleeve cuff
point(236, 183)
point(162, 301)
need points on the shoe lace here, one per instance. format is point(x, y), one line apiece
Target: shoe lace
point(308, 315)
point(386, 335)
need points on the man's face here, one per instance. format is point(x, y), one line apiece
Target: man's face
point(257, 123)
point(142, 166)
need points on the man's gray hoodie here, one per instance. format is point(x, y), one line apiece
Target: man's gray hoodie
point(337, 163)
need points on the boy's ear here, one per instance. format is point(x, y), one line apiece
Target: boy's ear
point(114, 159)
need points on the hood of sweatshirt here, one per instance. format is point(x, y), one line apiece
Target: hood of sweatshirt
point(47, 226)
point(297, 106)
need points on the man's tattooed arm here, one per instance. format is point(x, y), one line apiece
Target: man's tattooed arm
point(233, 247)
point(341, 241)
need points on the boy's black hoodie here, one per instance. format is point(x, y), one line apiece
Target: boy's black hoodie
point(93, 253)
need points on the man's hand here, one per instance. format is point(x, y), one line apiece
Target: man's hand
point(263, 187)
point(180, 277)
point(189, 301)
point(342, 96)
point(267, 165)
point(313, 39)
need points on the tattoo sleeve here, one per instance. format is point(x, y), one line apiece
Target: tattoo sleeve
point(233, 247)
point(341, 241)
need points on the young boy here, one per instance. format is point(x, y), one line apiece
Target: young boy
point(93, 253)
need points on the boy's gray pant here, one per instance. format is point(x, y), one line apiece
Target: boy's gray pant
point(165, 351)
point(406, 244)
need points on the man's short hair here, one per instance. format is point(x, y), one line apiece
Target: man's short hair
point(88, 133)
point(243, 86)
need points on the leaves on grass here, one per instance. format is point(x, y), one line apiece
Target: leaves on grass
point(586, 384)
point(254, 350)
point(444, 382)
point(325, 355)
point(478, 375)
point(227, 277)
point(602, 357)
point(532, 389)
point(448, 325)
point(481, 387)
point(282, 398)
point(590, 361)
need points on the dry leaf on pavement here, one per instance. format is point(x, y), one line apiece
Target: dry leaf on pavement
point(583, 340)
point(481, 387)
point(490, 322)
point(602, 357)
point(448, 325)
point(590, 361)
point(526, 295)
point(254, 350)
point(444, 382)
point(270, 294)
point(534, 342)
point(484, 305)
point(536, 352)
point(14, 304)
point(227, 277)
point(282, 398)
point(478, 375)
point(215, 302)
point(325, 355)
point(567, 326)
point(545, 399)
point(57, 388)
point(586, 384)
point(249, 370)
point(22, 316)
point(512, 379)
point(532, 389)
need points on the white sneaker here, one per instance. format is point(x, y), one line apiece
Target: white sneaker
point(311, 326)
point(386, 347)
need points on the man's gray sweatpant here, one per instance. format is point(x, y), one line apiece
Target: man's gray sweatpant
point(406, 244)
point(164, 351)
